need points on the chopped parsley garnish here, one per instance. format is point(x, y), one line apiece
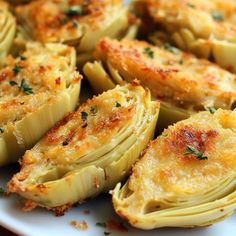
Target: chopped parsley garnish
point(212, 110)
point(149, 52)
point(101, 224)
point(1, 130)
point(2, 191)
point(190, 5)
point(171, 48)
point(25, 87)
point(75, 24)
point(17, 69)
point(13, 83)
point(118, 104)
point(217, 16)
point(190, 150)
point(74, 11)
point(181, 61)
point(93, 110)
point(84, 115)
point(107, 233)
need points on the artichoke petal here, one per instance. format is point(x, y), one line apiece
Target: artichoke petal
point(7, 29)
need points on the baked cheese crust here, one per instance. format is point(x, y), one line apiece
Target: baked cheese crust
point(94, 146)
point(172, 75)
point(186, 177)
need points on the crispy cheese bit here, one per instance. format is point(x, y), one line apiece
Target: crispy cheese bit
point(79, 225)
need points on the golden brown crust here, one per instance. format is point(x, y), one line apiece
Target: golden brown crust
point(181, 173)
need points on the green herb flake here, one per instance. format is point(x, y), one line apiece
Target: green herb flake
point(217, 16)
point(212, 110)
point(84, 115)
point(1, 130)
point(190, 150)
point(118, 104)
point(190, 5)
point(171, 48)
point(101, 224)
point(25, 87)
point(93, 110)
point(17, 69)
point(107, 233)
point(75, 24)
point(149, 52)
point(13, 83)
point(74, 11)
point(181, 61)
point(2, 192)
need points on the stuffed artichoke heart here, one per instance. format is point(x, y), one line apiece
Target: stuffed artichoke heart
point(205, 27)
point(187, 176)
point(89, 150)
point(7, 31)
point(39, 87)
point(181, 81)
point(79, 23)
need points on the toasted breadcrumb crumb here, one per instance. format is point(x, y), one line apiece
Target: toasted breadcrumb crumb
point(29, 206)
point(79, 225)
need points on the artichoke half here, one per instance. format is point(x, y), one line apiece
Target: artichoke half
point(88, 151)
point(187, 176)
point(79, 23)
point(7, 31)
point(204, 27)
point(183, 83)
point(37, 89)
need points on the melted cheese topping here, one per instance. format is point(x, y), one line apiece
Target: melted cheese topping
point(100, 121)
point(177, 77)
point(208, 19)
point(166, 173)
point(36, 77)
point(53, 21)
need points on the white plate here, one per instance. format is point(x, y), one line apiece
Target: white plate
point(41, 222)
